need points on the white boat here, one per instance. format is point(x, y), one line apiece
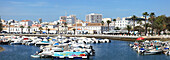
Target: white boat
point(35, 56)
point(167, 53)
point(42, 43)
point(34, 41)
point(151, 52)
point(16, 42)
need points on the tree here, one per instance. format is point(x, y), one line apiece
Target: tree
point(29, 28)
point(74, 30)
point(9, 26)
point(133, 18)
point(168, 24)
point(1, 27)
point(117, 28)
point(152, 18)
point(102, 27)
point(48, 30)
point(145, 14)
point(114, 20)
point(65, 25)
point(128, 27)
point(58, 26)
point(40, 20)
point(108, 22)
point(22, 29)
point(147, 25)
point(40, 28)
point(160, 24)
point(139, 28)
point(102, 23)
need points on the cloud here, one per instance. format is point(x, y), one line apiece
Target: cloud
point(32, 4)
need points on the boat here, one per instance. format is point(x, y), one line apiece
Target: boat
point(70, 55)
point(35, 56)
point(16, 42)
point(167, 53)
point(44, 43)
point(152, 52)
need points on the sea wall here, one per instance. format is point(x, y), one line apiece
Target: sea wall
point(112, 37)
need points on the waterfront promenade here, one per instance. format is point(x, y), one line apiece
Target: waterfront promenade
point(112, 37)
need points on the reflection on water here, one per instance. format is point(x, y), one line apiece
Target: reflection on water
point(116, 50)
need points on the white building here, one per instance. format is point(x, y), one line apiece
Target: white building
point(94, 18)
point(71, 19)
point(122, 23)
point(91, 28)
point(25, 23)
point(105, 19)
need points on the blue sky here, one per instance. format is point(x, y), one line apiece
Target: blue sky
point(50, 10)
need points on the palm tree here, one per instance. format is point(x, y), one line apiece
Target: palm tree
point(40, 28)
point(1, 28)
point(48, 30)
point(108, 22)
point(145, 14)
point(128, 28)
point(139, 28)
point(147, 25)
point(102, 27)
point(9, 26)
point(117, 28)
point(134, 18)
point(152, 15)
point(114, 20)
point(40, 20)
point(22, 29)
point(65, 25)
point(29, 28)
point(74, 30)
point(140, 22)
point(58, 26)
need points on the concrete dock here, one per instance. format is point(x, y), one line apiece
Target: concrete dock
point(112, 37)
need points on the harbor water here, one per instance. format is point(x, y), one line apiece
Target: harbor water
point(116, 50)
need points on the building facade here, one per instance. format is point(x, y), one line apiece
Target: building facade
point(71, 19)
point(25, 23)
point(122, 23)
point(94, 18)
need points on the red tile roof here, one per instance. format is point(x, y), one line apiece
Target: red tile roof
point(25, 20)
point(63, 20)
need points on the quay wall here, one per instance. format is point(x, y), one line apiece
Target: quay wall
point(112, 37)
